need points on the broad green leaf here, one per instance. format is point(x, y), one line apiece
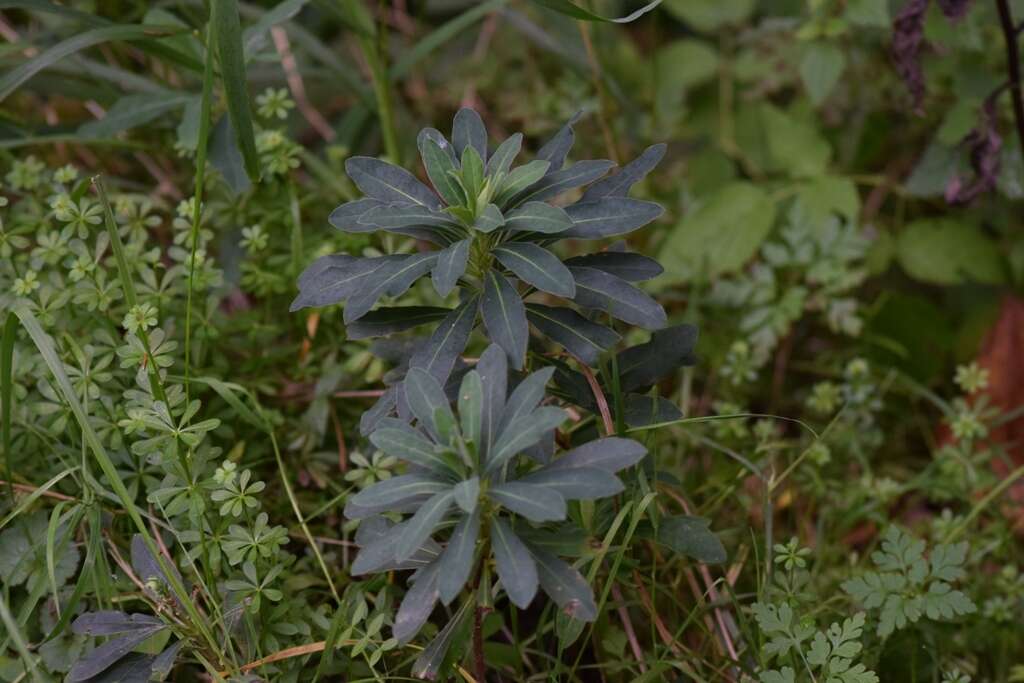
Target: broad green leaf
point(581, 337)
point(456, 562)
point(611, 454)
point(576, 483)
point(780, 142)
point(681, 65)
point(710, 15)
point(470, 406)
point(565, 586)
point(824, 196)
point(610, 216)
point(386, 321)
point(537, 266)
point(869, 13)
point(422, 524)
point(440, 167)
point(820, 69)
point(389, 183)
point(576, 12)
point(134, 110)
point(535, 503)
point(516, 568)
point(426, 399)
point(721, 235)
point(228, 40)
point(947, 251)
point(688, 535)
point(450, 266)
point(505, 317)
point(501, 161)
point(604, 292)
point(538, 217)
point(468, 130)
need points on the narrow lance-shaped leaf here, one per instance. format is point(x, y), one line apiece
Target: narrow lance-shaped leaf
point(583, 338)
point(501, 160)
point(391, 279)
point(440, 165)
point(385, 321)
point(539, 217)
point(557, 148)
point(537, 266)
point(450, 266)
point(535, 503)
point(610, 216)
point(523, 432)
point(422, 524)
point(626, 265)
point(439, 353)
point(417, 604)
point(112, 622)
point(334, 278)
point(228, 39)
point(618, 185)
point(526, 396)
point(505, 317)
point(576, 483)
point(610, 454)
point(105, 655)
point(565, 586)
point(518, 179)
point(601, 291)
point(576, 12)
point(516, 568)
point(346, 217)
point(668, 350)
point(388, 183)
point(468, 130)
point(456, 562)
point(557, 182)
point(490, 219)
point(427, 400)
point(395, 490)
point(470, 406)
point(493, 369)
point(406, 215)
point(408, 444)
point(467, 494)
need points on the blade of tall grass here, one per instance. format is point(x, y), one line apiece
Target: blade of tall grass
point(573, 10)
point(7, 396)
point(16, 637)
point(227, 32)
point(34, 496)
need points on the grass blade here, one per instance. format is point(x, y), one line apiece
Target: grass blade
point(227, 31)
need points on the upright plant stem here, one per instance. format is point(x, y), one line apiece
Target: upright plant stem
point(1010, 34)
point(374, 50)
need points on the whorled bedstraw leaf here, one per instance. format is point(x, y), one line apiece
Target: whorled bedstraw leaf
point(394, 491)
point(422, 524)
point(493, 369)
point(618, 184)
point(576, 483)
point(610, 216)
point(520, 178)
point(611, 454)
point(557, 182)
point(537, 266)
point(504, 317)
point(389, 320)
point(450, 266)
point(470, 406)
point(438, 354)
point(489, 220)
point(468, 130)
point(604, 292)
point(564, 585)
point(427, 401)
point(516, 567)
point(388, 183)
point(538, 217)
point(456, 562)
point(535, 503)
point(583, 338)
point(626, 265)
point(501, 161)
point(440, 166)
point(417, 604)
point(525, 397)
point(522, 433)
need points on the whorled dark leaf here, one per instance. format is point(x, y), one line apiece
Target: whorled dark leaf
point(583, 338)
point(516, 567)
point(619, 184)
point(537, 266)
point(388, 183)
point(604, 292)
point(504, 317)
point(668, 350)
point(626, 265)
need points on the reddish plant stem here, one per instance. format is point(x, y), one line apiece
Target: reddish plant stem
point(1013, 65)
